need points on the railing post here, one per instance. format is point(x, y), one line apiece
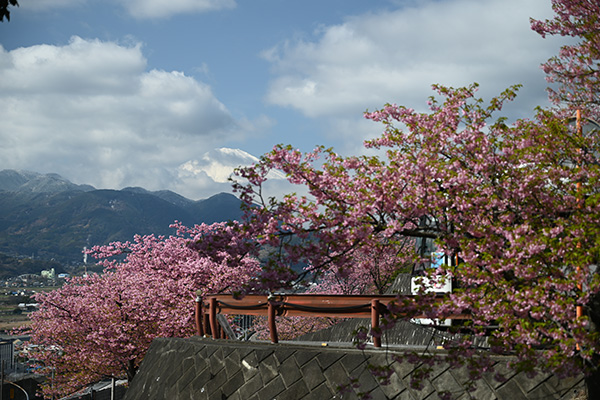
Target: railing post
point(206, 323)
point(271, 322)
point(375, 322)
point(198, 316)
point(212, 312)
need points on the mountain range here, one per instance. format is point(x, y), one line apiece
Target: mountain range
point(45, 216)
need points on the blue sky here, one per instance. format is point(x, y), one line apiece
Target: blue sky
point(173, 95)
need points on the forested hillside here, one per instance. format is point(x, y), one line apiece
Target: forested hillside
point(47, 217)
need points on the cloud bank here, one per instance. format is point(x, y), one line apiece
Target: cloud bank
point(396, 55)
point(91, 111)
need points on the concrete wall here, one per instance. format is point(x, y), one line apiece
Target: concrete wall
point(199, 368)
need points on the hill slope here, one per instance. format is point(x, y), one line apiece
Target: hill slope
point(48, 217)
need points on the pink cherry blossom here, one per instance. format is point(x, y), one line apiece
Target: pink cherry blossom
point(102, 324)
point(506, 201)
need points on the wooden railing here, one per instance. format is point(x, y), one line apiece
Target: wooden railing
point(313, 305)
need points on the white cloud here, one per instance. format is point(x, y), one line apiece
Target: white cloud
point(90, 111)
point(79, 68)
point(162, 9)
point(142, 9)
point(395, 56)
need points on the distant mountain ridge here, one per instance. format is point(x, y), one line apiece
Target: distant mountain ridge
point(33, 182)
point(49, 217)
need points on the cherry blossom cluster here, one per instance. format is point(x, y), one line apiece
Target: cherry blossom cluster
point(576, 69)
point(517, 205)
point(371, 273)
point(104, 323)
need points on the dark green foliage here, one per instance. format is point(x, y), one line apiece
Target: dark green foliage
point(215, 208)
point(4, 13)
point(59, 225)
point(14, 266)
point(47, 217)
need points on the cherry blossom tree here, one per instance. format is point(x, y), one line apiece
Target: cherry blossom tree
point(370, 273)
point(576, 69)
point(102, 325)
point(517, 208)
point(517, 205)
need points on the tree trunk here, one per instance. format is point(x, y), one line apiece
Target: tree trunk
point(131, 370)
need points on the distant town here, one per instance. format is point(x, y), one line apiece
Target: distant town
point(17, 296)
point(45, 278)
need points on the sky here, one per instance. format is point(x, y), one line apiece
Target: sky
point(174, 95)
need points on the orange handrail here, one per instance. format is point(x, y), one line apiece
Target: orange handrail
point(314, 305)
